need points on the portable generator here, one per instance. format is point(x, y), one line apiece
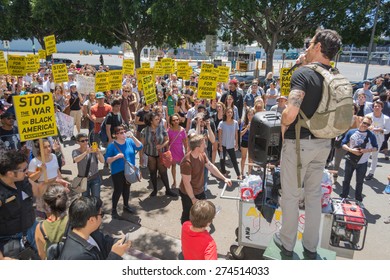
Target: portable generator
point(349, 224)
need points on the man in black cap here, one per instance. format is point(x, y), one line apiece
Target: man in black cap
point(9, 136)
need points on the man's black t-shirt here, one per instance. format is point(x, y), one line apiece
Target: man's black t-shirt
point(310, 82)
point(114, 120)
point(9, 139)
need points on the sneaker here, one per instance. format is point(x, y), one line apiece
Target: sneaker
point(171, 193)
point(387, 189)
point(279, 244)
point(129, 209)
point(154, 193)
point(369, 177)
point(115, 216)
point(387, 220)
point(309, 254)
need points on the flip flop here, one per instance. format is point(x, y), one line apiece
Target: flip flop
point(387, 189)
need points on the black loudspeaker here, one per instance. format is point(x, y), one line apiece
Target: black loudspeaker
point(265, 141)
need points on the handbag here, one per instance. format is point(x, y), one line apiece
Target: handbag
point(84, 122)
point(20, 249)
point(131, 171)
point(67, 108)
point(354, 159)
point(166, 157)
point(79, 183)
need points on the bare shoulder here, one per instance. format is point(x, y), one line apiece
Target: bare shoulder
point(295, 97)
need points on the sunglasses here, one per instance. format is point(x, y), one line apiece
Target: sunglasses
point(126, 91)
point(83, 141)
point(21, 170)
point(366, 123)
point(307, 44)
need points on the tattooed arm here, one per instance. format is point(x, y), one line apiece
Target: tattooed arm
point(294, 104)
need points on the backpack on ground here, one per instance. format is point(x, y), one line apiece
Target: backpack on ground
point(334, 113)
point(54, 249)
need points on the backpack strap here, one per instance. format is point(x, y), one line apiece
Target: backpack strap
point(43, 232)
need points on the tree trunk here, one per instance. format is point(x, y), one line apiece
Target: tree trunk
point(269, 61)
point(137, 56)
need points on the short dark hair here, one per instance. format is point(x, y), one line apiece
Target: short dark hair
point(56, 198)
point(9, 160)
point(202, 213)
point(330, 42)
point(81, 135)
point(118, 128)
point(82, 209)
point(115, 102)
point(149, 117)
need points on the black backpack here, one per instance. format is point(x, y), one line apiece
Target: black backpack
point(54, 249)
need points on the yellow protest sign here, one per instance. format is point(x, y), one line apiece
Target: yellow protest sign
point(207, 85)
point(167, 65)
point(128, 67)
point(145, 65)
point(3, 67)
point(189, 73)
point(31, 64)
point(37, 62)
point(102, 81)
point(2, 55)
point(16, 65)
point(60, 73)
point(207, 68)
point(223, 76)
point(158, 70)
point(143, 72)
point(115, 79)
point(35, 115)
point(149, 89)
point(42, 54)
point(182, 67)
point(285, 81)
point(50, 44)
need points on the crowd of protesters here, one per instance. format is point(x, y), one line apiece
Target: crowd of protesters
point(155, 128)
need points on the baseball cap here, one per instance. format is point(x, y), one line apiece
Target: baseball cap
point(367, 81)
point(72, 85)
point(99, 95)
point(281, 97)
point(7, 115)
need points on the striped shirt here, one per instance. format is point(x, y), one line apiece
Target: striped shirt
point(152, 139)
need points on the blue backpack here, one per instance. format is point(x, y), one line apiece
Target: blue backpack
point(102, 133)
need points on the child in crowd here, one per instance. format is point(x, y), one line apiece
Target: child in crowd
point(196, 242)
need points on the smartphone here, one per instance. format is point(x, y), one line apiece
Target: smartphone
point(127, 238)
point(94, 146)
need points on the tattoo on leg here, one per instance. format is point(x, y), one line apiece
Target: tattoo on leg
point(296, 97)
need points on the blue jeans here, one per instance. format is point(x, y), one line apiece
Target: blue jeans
point(93, 187)
point(206, 178)
point(361, 170)
point(30, 234)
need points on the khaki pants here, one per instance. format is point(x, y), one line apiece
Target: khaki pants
point(314, 153)
point(77, 118)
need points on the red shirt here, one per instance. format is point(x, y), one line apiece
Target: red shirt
point(197, 245)
point(99, 112)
